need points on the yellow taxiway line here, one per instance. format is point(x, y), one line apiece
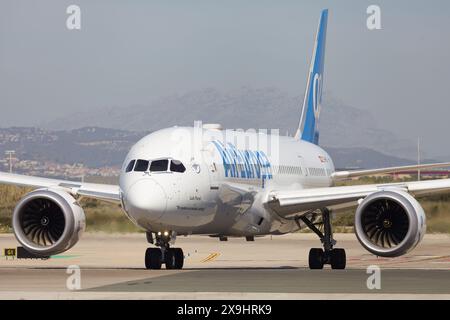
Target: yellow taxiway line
point(211, 257)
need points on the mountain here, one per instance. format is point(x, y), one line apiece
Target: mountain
point(341, 126)
point(364, 158)
point(98, 147)
point(93, 147)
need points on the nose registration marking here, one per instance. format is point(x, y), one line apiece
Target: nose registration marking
point(211, 257)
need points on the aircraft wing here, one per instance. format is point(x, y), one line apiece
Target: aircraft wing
point(339, 175)
point(288, 203)
point(91, 190)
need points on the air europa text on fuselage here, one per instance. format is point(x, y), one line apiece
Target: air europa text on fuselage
point(245, 164)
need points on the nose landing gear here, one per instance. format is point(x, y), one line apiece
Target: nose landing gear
point(328, 255)
point(173, 258)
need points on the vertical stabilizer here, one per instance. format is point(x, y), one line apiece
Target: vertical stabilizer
point(308, 127)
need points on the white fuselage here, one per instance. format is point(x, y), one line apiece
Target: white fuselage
point(205, 197)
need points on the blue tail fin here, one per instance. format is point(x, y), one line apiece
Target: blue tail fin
point(308, 127)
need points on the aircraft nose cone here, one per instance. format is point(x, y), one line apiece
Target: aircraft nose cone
point(147, 198)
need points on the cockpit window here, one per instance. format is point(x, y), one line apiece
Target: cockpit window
point(159, 165)
point(141, 165)
point(130, 166)
point(177, 166)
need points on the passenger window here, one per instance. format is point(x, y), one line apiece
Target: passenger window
point(177, 166)
point(159, 165)
point(130, 166)
point(141, 165)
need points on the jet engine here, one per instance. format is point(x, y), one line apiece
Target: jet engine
point(389, 223)
point(48, 221)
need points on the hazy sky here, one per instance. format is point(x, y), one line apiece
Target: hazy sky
point(130, 52)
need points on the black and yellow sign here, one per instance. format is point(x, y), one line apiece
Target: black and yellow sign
point(9, 252)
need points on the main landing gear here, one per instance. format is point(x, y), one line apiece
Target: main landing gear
point(328, 255)
point(173, 258)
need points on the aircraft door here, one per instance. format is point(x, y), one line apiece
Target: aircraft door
point(211, 163)
point(301, 161)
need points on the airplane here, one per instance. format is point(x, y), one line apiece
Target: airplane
point(205, 180)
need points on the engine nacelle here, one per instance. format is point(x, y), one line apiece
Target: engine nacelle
point(48, 221)
point(390, 223)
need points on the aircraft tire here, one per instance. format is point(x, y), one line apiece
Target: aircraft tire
point(153, 258)
point(315, 258)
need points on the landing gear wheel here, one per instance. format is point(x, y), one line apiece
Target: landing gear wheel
point(179, 258)
point(174, 258)
point(153, 258)
point(316, 258)
point(170, 258)
point(338, 259)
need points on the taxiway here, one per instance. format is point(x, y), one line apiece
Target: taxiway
point(111, 266)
